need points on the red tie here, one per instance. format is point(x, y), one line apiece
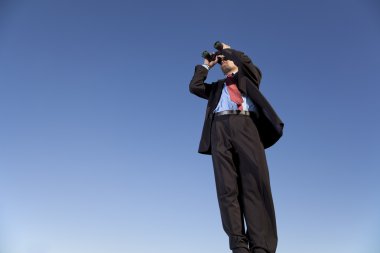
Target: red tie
point(234, 92)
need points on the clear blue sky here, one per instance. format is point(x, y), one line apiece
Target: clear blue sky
point(99, 133)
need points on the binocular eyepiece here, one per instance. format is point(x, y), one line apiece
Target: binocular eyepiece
point(212, 56)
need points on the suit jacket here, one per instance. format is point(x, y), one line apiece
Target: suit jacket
point(269, 125)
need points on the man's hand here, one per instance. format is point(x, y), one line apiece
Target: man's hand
point(211, 64)
point(225, 46)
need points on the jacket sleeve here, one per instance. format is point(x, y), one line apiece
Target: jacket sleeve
point(197, 85)
point(245, 65)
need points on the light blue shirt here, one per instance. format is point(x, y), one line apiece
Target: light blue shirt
point(225, 102)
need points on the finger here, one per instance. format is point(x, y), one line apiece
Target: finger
point(226, 46)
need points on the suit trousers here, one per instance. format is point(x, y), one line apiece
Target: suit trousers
point(242, 184)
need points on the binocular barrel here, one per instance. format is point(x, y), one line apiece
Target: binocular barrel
point(218, 45)
point(212, 56)
point(208, 56)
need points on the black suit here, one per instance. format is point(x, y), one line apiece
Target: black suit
point(237, 144)
point(249, 76)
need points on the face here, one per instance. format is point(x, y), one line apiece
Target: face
point(228, 66)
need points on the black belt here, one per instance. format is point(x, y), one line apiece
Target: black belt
point(236, 112)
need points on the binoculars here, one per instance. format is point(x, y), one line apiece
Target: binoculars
point(212, 56)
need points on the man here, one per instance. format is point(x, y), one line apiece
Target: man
point(239, 124)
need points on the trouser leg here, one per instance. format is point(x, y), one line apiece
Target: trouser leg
point(257, 202)
point(226, 180)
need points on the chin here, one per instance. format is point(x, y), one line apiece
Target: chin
point(225, 69)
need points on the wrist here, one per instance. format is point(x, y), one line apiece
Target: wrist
point(207, 66)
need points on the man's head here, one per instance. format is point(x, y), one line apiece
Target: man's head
point(228, 66)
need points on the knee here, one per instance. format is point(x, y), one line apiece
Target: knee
point(228, 196)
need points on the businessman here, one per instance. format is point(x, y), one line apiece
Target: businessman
point(239, 124)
